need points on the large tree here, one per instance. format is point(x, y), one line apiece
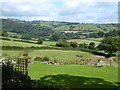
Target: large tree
point(91, 45)
point(110, 45)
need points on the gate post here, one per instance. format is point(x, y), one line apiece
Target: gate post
point(26, 67)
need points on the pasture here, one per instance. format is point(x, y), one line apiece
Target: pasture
point(65, 76)
point(63, 56)
point(59, 55)
point(73, 76)
point(87, 40)
point(52, 54)
point(83, 27)
point(24, 44)
point(45, 43)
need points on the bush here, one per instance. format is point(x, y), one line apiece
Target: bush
point(42, 59)
point(83, 45)
point(40, 41)
point(63, 44)
point(73, 44)
point(38, 59)
point(67, 44)
point(46, 59)
point(91, 45)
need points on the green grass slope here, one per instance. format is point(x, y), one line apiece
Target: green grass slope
point(74, 76)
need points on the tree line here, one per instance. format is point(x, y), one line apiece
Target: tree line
point(109, 45)
point(64, 43)
point(103, 34)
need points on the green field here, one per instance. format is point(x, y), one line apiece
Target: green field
point(83, 27)
point(65, 76)
point(46, 43)
point(23, 44)
point(87, 40)
point(60, 55)
point(74, 76)
point(52, 54)
point(38, 70)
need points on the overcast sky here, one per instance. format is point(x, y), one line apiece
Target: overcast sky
point(86, 11)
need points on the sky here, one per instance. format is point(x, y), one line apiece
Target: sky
point(82, 11)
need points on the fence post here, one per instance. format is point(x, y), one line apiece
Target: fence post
point(26, 67)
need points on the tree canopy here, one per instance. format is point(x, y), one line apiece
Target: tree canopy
point(91, 45)
point(26, 29)
point(110, 45)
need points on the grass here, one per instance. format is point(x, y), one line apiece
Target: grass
point(24, 44)
point(80, 26)
point(62, 28)
point(95, 39)
point(17, 43)
point(60, 55)
point(86, 40)
point(63, 56)
point(83, 27)
point(38, 70)
point(46, 43)
point(49, 43)
point(64, 75)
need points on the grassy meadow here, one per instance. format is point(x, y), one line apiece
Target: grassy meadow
point(65, 76)
point(59, 55)
point(46, 43)
point(74, 76)
point(22, 44)
point(38, 70)
point(87, 40)
point(83, 27)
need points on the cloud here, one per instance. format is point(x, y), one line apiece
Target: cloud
point(100, 11)
point(27, 9)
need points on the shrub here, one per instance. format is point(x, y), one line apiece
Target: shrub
point(83, 45)
point(5, 38)
point(40, 41)
point(38, 59)
point(73, 44)
point(63, 44)
point(46, 58)
point(91, 45)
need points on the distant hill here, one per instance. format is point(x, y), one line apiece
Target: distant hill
point(26, 28)
point(36, 29)
point(75, 26)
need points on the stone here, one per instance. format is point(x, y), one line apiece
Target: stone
point(100, 64)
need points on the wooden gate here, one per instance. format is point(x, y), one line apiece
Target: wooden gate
point(22, 65)
point(19, 64)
